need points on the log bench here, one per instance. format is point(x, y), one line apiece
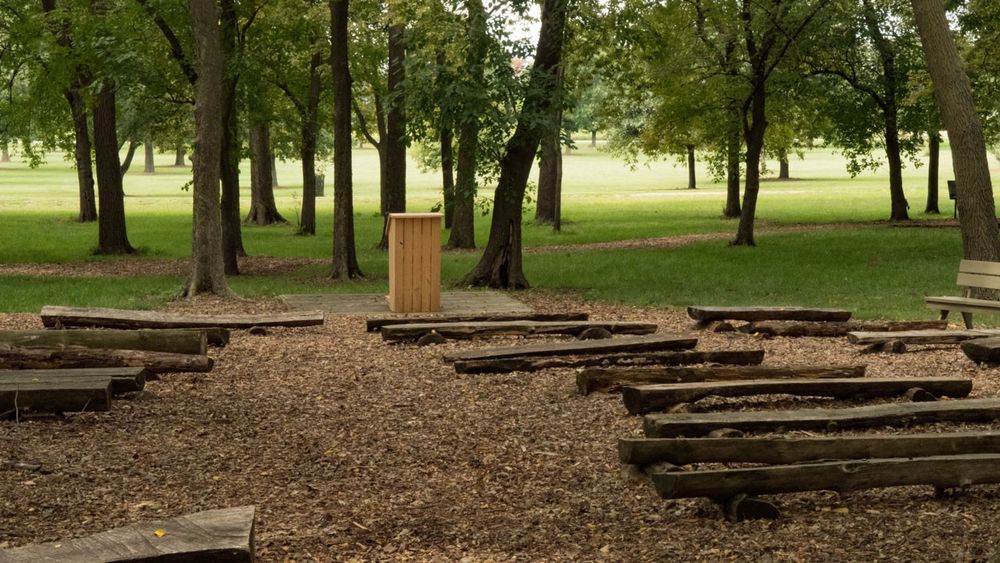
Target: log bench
point(642, 399)
point(468, 330)
point(374, 325)
point(651, 343)
point(919, 336)
point(123, 380)
point(751, 314)
point(219, 536)
point(972, 275)
point(54, 396)
point(625, 359)
point(613, 379)
point(59, 317)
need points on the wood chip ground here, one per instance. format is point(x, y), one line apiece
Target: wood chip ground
point(354, 450)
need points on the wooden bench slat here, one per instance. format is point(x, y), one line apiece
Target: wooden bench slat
point(653, 343)
point(469, 330)
point(979, 267)
point(174, 340)
point(123, 380)
point(373, 325)
point(705, 314)
point(642, 399)
point(75, 395)
point(786, 450)
point(843, 476)
point(978, 280)
point(892, 414)
point(631, 359)
point(220, 536)
point(920, 336)
point(613, 379)
point(53, 316)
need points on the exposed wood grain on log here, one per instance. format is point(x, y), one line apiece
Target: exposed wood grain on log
point(932, 336)
point(652, 343)
point(982, 350)
point(73, 358)
point(218, 536)
point(830, 329)
point(373, 325)
point(53, 316)
point(842, 476)
point(506, 365)
point(703, 314)
point(613, 379)
point(642, 399)
point(123, 380)
point(81, 394)
point(780, 451)
point(466, 331)
point(894, 414)
point(178, 341)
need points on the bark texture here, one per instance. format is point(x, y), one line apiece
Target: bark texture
point(112, 237)
point(953, 93)
point(345, 259)
point(263, 210)
point(692, 176)
point(447, 138)
point(933, 171)
point(501, 264)
point(232, 235)
point(207, 264)
point(394, 143)
point(149, 166)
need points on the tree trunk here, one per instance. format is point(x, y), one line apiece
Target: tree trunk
point(207, 262)
point(179, 158)
point(111, 232)
point(5, 152)
point(150, 163)
point(549, 174)
point(953, 93)
point(345, 259)
point(129, 156)
point(448, 173)
point(274, 170)
point(394, 142)
point(900, 206)
point(82, 154)
point(232, 236)
point(263, 210)
point(933, 166)
point(501, 265)
point(783, 172)
point(754, 136)
point(733, 144)
point(463, 222)
point(692, 176)
point(593, 139)
point(310, 126)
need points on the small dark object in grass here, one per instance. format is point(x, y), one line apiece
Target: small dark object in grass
point(724, 326)
point(258, 331)
point(594, 333)
point(431, 337)
point(918, 395)
point(726, 433)
point(743, 507)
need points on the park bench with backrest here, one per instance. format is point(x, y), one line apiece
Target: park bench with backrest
point(972, 275)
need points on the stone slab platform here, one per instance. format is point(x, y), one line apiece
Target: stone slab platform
point(452, 302)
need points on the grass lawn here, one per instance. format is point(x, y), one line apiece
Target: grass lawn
point(876, 269)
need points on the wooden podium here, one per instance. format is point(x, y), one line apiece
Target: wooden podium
point(414, 262)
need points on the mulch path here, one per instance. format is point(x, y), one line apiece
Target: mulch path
point(356, 450)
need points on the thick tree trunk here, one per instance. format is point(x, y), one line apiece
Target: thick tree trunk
point(150, 161)
point(754, 136)
point(263, 210)
point(692, 176)
point(733, 144)
point(463, 222)
point(82, 155)
point(933, 167)
point(310, 126)
point(501, 265)
point(448, 173)
point(179, 157)
point(394, 142)
point(345, 259)
point(953, 93)
point(783, 171)
point(549, 175)
point(111, 233)
point(900, 206)
point(232, 235)
point(207, 263)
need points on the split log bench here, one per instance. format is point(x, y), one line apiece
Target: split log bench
point(613, 379)
point(59, 317)
point(972, 275)
point(468, 330)
point(835, 328)
point(783, 451)
point(750, 314)
point(893, 414)
point(177, 341)
point(77, 357)
point(123, 380)
point(943, 472)
point(630, 359)
point(219, 536)
point(919, 336)
point(374, 325)
point(982, 350)
point(54, 396)
point(652, 343)
point(642, 399)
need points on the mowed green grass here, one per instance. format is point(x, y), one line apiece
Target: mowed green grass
point(876, 269)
